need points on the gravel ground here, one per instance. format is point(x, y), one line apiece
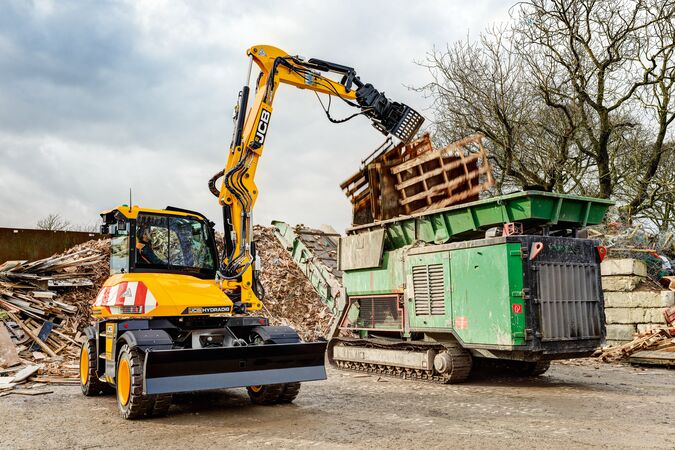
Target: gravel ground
point(572, 406)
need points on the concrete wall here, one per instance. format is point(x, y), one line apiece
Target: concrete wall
point(21, 243)
point(631, 305)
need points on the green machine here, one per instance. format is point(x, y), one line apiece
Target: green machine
point(511, 280)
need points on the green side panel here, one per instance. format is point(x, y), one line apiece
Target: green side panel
point(486, 283)
point(429, 300)
point(460, 221)
point(388, 278)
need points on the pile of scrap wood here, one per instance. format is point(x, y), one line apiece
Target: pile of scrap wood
point(289, 297)
point(655, 347)
point(415, 177)
point(44, 305)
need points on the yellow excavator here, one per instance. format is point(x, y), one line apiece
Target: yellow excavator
point(177, 316)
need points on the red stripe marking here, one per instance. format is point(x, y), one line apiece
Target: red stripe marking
point(141, 291)
point(119, 301)
point(106, 291)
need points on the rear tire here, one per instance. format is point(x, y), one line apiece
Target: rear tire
point(290, 392)
point(159, 405)
point(266, 395)
point(535, 369)
point(89, 382)
point(505, 367)
point(129, 383)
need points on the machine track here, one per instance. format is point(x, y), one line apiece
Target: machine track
point(460, 360)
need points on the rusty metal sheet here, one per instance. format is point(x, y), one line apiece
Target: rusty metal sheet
point(21, 243)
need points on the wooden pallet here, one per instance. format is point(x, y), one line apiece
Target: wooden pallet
point(455, 174)
point(665, 358)
point(372, 191)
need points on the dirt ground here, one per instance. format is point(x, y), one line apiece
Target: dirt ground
point(571, 406)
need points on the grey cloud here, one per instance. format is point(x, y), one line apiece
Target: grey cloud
point(97, 97)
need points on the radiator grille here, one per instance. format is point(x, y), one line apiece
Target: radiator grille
point(429, 289)
point(569, 296)
point(379, 312)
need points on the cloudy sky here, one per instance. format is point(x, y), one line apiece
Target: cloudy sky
point(97, 97)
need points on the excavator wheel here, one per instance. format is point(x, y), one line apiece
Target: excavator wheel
point(89, 381)
point(129, 380)
point(290, 392)
point(159, 405)
point(266, 395)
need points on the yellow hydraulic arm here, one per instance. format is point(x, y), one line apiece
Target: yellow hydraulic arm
point(238, 191)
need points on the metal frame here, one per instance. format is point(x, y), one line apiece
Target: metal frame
point(399, 308)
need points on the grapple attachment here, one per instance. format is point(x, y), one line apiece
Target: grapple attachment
point(183, 370)
point(389, 117)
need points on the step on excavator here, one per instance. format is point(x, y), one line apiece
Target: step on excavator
point(177, 316)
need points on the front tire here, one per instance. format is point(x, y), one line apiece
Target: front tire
point(89, 381)
point(265, 395)
point(129, 383)
point(290, 392)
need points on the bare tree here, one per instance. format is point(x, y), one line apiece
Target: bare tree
point(573, 95)
point(53, 222)
point(483, 87)
point(604, 53)
point(659, 106)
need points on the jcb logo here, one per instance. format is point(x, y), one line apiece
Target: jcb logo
point(264, 122)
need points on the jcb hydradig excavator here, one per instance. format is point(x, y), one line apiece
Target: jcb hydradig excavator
point(175, 316)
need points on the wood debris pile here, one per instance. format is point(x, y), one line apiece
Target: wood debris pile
point(44, 305)
point(290, 298)
point(655, 341)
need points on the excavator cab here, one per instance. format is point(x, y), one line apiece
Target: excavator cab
point(166, 323)
point(160, 243)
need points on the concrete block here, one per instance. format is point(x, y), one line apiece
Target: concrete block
point(623, 267)
point(625, 315)
point(643, 327)
point(654, 315)
point(619, 283)
point(639, 299)
point(613, 342)
point(620, 332)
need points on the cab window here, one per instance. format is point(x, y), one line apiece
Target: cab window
point(173, 242)
point(119, 248)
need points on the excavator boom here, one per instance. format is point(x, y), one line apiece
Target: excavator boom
point(238, 191)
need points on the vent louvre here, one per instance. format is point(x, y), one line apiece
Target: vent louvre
point(429, 290)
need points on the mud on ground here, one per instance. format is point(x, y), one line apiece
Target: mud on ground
point(572, 406)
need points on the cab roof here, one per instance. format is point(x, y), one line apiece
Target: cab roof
point(133, 211)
